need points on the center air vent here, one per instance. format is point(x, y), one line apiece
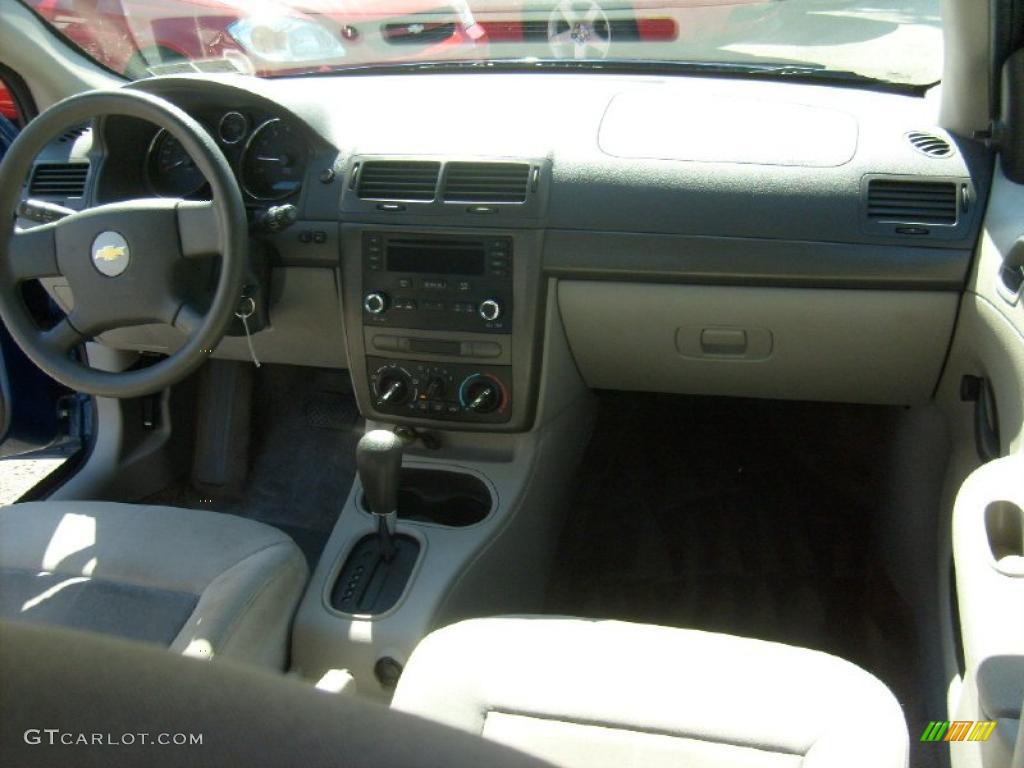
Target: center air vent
point(59, 179)
point(398, 180)
point(930, 144)
point(912, 202)
point(486, 182)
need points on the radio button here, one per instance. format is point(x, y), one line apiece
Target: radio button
point(386, 343)
point(404, 282)
point(486, 349)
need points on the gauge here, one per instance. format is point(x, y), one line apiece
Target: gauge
point(169, 169)
point(274, 161)
point(232, 127)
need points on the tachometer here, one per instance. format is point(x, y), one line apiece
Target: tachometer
point(169, 169)
point(274, 161)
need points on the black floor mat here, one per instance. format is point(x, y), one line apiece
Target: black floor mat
point(302, 457)
point(753, 518)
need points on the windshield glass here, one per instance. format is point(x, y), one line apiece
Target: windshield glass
point(898, 41)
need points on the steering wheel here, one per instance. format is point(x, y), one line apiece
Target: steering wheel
point(122, 260)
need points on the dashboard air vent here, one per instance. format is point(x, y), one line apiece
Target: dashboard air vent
point(930, 144)
point(912, 202)
point(486, 182)
point(73, 133)
point(398, 180)
point(59, 179)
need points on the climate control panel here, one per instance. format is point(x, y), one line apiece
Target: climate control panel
point(442, 391)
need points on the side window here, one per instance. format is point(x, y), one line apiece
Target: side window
point(11, 119)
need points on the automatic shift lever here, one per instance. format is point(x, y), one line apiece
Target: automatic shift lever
point(379, 461)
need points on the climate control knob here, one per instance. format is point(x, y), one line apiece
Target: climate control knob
point(376, 303)
point(436, 387)
point(481, 394)
point(393, 387)
point(490, 309)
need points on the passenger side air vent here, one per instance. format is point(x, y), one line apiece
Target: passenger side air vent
point(59, 179)
point(486, 182)
point(912, 202)
point(930, 144)
point(398, 180)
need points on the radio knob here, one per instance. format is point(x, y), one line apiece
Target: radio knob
point(376, 303)
point(490, 309)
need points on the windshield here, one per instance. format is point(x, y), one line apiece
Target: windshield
point(898, 41)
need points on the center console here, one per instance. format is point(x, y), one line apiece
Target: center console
point(444, 335)
point(448, 324)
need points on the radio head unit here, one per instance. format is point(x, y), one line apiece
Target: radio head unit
point(457, 283)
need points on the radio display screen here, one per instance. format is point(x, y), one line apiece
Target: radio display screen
point(438, 257)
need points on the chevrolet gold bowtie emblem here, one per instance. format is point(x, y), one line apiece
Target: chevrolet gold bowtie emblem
point(110, 254)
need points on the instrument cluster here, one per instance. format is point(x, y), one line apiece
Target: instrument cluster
point(268, 153)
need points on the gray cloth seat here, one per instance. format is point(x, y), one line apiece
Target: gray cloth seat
point(200, 583)
point(577, 692)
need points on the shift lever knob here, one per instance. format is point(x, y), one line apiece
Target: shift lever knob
point(379, 461)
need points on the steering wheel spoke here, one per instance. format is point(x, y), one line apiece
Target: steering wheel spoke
point(197, 228)
point(187, 319)
point(32, 253)
point(63, 337)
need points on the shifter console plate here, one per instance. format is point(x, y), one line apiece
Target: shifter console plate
point(370, 585)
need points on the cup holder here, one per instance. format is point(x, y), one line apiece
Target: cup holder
point(452, 499)
point(1004, 525)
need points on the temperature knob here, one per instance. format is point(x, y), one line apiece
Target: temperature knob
point(376, 303)
point(490, 309)
point(393, 387)
point(481, 394)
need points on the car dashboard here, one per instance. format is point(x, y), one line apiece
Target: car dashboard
point(681, 234)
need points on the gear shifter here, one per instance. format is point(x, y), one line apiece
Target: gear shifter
point(379, 461)
point(379, 565)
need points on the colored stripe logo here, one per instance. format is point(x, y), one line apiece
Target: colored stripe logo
point(958, 730)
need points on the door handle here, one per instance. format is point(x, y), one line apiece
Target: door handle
point(977, 389)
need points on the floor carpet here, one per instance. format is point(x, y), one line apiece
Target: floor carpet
point(753, 518)
point(305, 426)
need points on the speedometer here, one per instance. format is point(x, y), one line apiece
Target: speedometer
point(274, 161)
point(169, 169)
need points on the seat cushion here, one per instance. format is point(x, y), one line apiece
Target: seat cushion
point(578, 692)
point(202, 583)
